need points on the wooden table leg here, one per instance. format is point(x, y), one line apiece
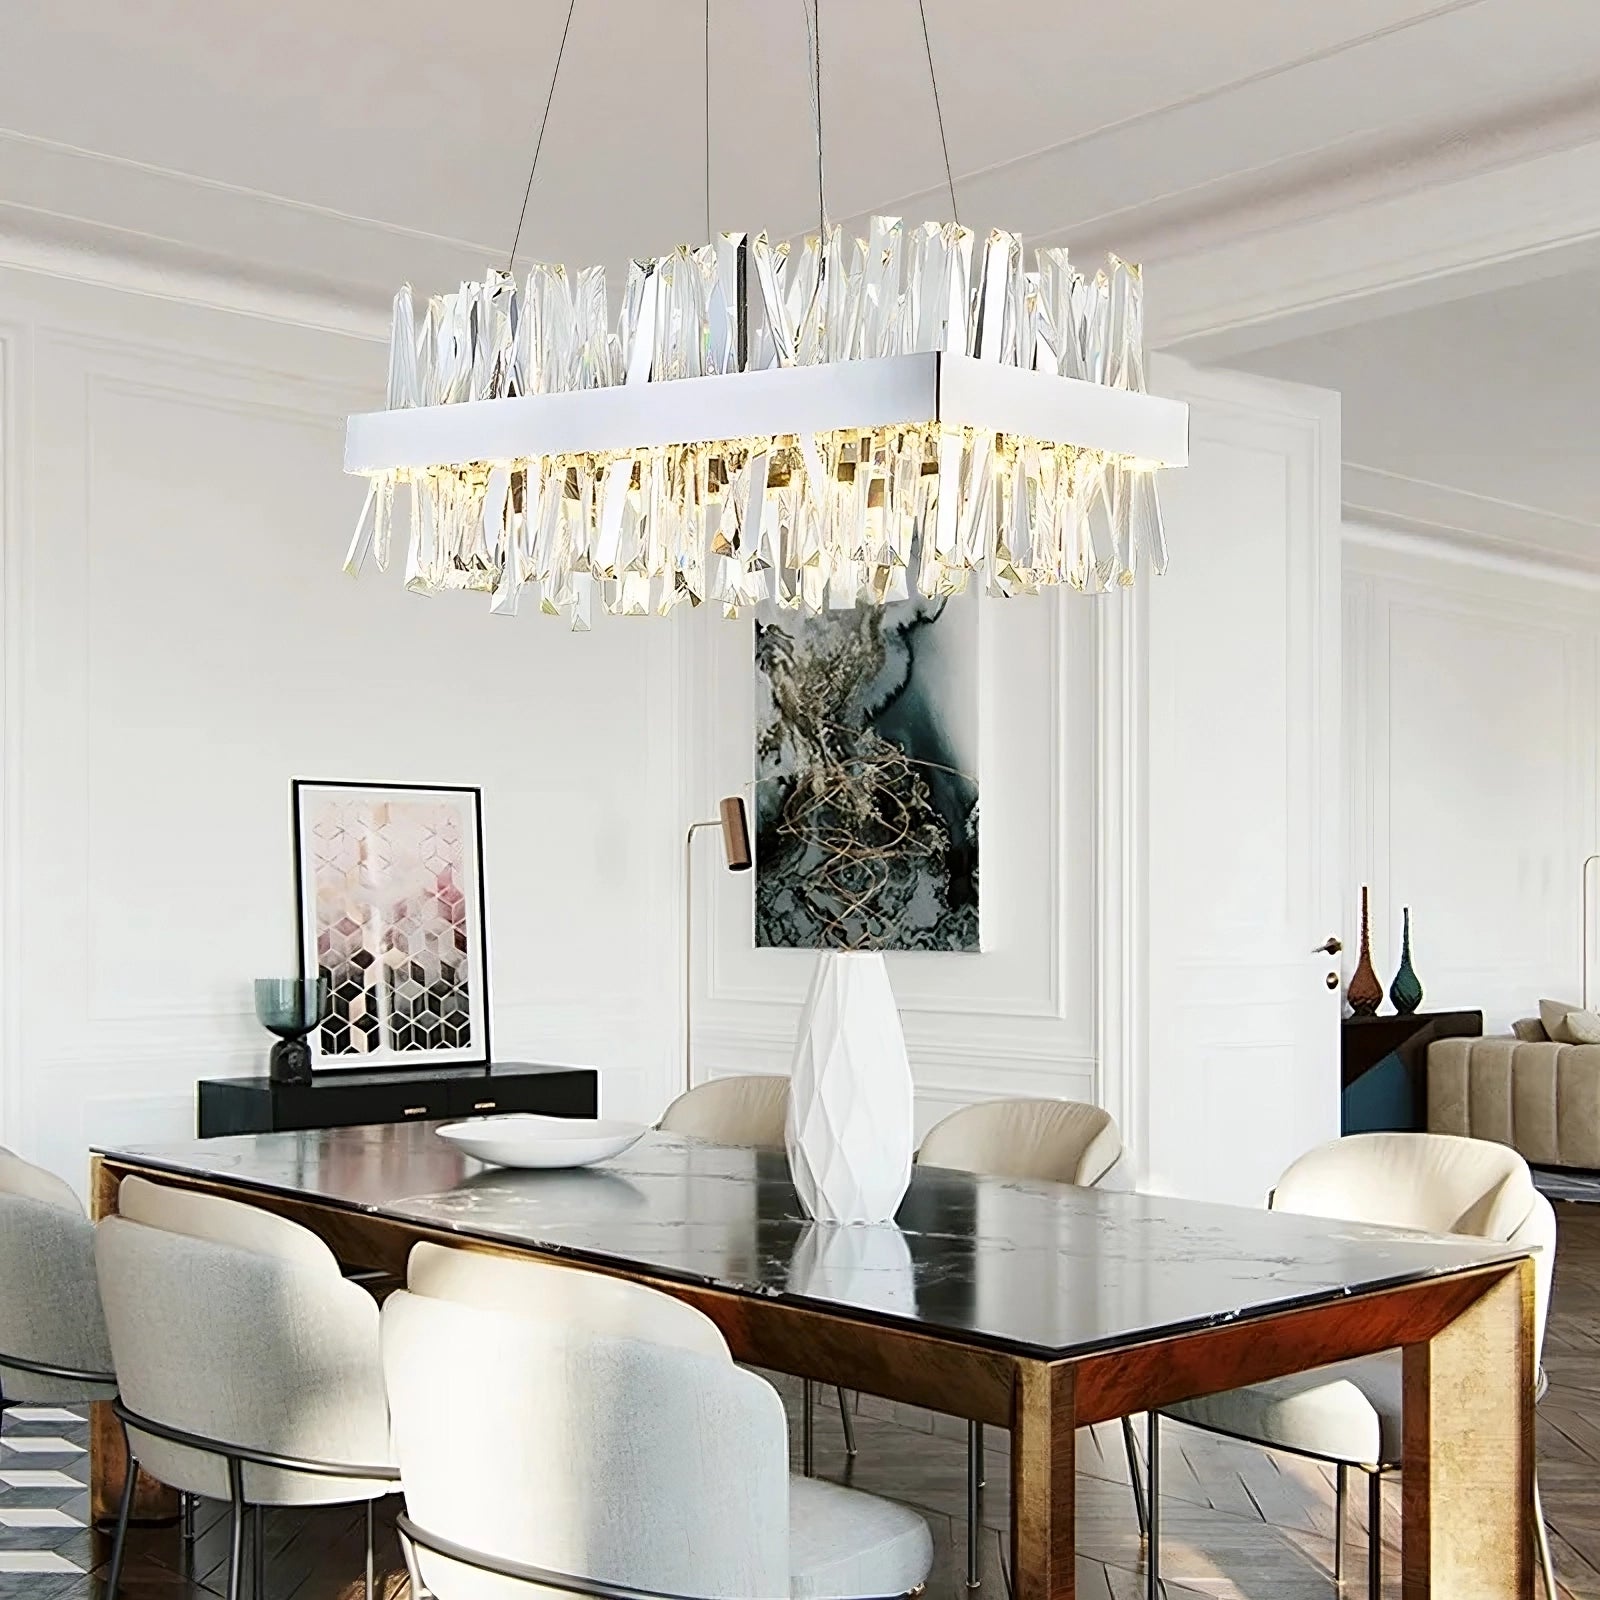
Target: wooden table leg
point(1042, 1467)
point(1467, 1483)
point(108, 1456)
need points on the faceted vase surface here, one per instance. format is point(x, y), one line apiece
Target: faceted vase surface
point(849, 1130)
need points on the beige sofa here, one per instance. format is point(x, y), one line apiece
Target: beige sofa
point(1542, 1099)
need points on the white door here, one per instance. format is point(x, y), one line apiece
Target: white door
point(1242, 790)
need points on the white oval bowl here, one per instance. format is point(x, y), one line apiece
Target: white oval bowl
point(527, 1140)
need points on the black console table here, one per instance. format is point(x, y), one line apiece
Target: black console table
point(342, 1099)
point(1384, 1067)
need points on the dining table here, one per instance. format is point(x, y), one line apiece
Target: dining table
point(1034, 1307)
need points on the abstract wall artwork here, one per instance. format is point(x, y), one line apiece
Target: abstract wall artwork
point(390, 885)
point(866, 765)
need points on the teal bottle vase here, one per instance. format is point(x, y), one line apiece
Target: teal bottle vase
point(1406, 990)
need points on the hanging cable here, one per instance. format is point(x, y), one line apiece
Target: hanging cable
point(544, 122)
point(938, 111)
point(813, 11)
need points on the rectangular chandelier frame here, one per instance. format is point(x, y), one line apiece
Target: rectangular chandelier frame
point(928, 389)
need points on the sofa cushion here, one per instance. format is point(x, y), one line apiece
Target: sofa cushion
point(1584, 1026)
point(1529, 1030)
point(1553, 1014)
point(1541, 1099)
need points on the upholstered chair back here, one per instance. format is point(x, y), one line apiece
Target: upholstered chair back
point(22, 1178)
point(208, 1216)
point(748, 1110)
point(1057, 1141)
point(49, 1300)
point(1436, 1182)
point(557, 1293)
point(246, 1346)
point(635, 1463)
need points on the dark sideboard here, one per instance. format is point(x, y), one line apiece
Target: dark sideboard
point(343, 1099)
point(1384, 1068)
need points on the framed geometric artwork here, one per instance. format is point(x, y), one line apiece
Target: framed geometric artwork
point(866, 777)
point(389, 885)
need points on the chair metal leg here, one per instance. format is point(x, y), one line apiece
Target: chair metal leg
point(1341, 1499)
point(808, 1438)
point(848, 1422)
point(236, 1516)
point(1546, 1565)
point(124, 1510)
point(974, 1505)
point(1152, 1557)
point(408, 1554)
point(1135, 1477)
point(258, 1550)
point(187, 1504)
point(369, 1552)
point(1375, 1536)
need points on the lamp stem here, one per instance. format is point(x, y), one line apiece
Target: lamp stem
point(1583, 900)
point(688, 950)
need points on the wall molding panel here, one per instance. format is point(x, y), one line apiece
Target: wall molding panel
point(1472, 748)
point(180, 642)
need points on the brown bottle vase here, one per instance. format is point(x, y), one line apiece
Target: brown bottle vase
point(1365, 993)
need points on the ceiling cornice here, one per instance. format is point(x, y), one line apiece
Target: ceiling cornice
point(1263, 259)
point(1473, 526)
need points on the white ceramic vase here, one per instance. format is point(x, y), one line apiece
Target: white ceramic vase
point(849, 1127)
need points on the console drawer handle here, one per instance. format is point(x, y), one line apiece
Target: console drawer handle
point(483, 1105)
point(415, 1111)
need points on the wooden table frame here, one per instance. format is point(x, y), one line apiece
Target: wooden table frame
point(1468, 1389)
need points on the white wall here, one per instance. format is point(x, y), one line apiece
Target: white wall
point(180, 641)
point(1471, 752)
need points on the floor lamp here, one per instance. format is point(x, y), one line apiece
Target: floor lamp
point(1583, 898)
point(736, 857)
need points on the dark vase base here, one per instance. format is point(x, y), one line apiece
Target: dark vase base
point(290, 1061)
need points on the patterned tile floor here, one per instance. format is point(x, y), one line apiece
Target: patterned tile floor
point(1239, 1523)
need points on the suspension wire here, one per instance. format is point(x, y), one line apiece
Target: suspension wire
point(708, 121)
point(544, 122)
point(813, 12)
point(938, 111)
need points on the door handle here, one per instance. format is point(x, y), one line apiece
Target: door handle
point(1331, 948)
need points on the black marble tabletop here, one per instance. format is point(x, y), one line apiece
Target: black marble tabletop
point(1032, 1268)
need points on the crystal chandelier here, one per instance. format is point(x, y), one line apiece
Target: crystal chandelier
point(840, 421)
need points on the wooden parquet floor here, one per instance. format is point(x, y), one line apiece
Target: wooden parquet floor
point(1239, 1523)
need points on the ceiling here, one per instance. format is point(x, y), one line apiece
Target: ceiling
point(353, 142)
point(1476, 417)
point(334, 148)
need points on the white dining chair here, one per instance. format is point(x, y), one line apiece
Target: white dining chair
point(1349, 1414)
point(750, 1110)
point(53, 1345)
point(1050, 1141)
point(609, 1460)
point(249, 1368)
point(744, 1110)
